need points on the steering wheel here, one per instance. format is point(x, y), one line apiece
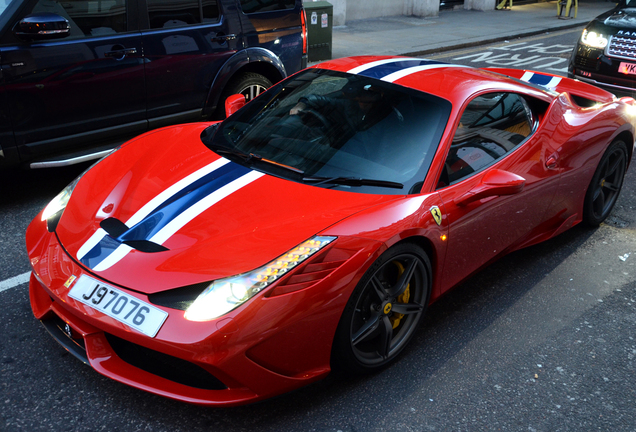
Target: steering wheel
point(307, 115)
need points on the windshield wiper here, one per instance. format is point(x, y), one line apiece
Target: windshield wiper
point(245, 156)
point(352, 181)
point(251, 157)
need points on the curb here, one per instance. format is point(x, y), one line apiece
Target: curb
point(489, 41)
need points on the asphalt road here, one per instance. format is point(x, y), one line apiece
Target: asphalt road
point(547, 53)
point(543, 340)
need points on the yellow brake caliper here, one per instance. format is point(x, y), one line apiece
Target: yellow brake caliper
point(404, 298)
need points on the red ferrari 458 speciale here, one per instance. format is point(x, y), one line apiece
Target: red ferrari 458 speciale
point(223, 263)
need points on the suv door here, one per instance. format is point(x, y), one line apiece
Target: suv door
point(87, 86)
point(183, 36)
point(7, 143)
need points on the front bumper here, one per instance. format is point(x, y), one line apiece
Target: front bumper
point(593, 66)
point(269, 346)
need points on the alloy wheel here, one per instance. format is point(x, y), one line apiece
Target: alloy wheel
point(388, 309)
point(610, 180)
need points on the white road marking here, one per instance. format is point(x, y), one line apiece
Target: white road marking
point(14, 281)
point(546, 57)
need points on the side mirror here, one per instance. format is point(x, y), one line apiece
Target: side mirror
point(234, 103)
point(494, 183)
point(40, 26)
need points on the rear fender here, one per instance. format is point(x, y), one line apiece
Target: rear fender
point(559, 84)
point(630, 135)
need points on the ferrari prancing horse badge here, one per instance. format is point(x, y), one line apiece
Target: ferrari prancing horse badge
point(437, 214)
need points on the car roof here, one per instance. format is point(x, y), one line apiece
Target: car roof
point(449, 81)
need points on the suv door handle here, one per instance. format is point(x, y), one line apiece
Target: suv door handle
point(223, 38)
point(119, 52)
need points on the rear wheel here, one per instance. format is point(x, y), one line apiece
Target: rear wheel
point(605, 185)
point(249, 84)
point(384, 310)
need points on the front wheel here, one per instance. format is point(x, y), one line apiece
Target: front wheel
point(384, 310)
point(605, 185)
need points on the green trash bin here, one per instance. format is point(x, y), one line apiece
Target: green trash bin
point(319, 29)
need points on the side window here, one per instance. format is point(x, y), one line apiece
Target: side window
point(253, 6)
point(88, 17)
point(492, 125)
point(176, 13)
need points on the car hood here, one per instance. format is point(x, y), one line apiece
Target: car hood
point(620, 18)
point(164, 211)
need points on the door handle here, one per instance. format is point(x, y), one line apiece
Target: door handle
point(551, 163)
point(223, 38)
point(119, 52)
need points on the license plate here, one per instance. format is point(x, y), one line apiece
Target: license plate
point(627, 68)
point(118, 305)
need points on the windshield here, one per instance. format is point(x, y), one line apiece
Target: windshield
point(4, 4)
point(337, 130)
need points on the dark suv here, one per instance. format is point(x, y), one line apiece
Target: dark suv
point(81, 76)
point(606, 52)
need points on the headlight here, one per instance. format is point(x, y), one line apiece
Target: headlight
point(54, 210)
point(594, 39)
point(226, 294)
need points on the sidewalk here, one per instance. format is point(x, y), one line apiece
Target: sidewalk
point(402, 35)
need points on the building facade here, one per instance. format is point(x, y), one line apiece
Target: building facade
point(349, 10)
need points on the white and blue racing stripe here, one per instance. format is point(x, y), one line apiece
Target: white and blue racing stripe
point(547, 81)
point(169, 211)
point(391, 70)
point(199, 207)
point(153, 203)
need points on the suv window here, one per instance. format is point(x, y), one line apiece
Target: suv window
point(175, 13)
point(253, 6)
point(492, 125)
point(88, 17)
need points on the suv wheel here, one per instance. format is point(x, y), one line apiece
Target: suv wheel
point(248, 84)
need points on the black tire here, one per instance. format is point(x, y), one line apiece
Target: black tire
point(249, 84)
point(606, 184)
point(383, 311)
